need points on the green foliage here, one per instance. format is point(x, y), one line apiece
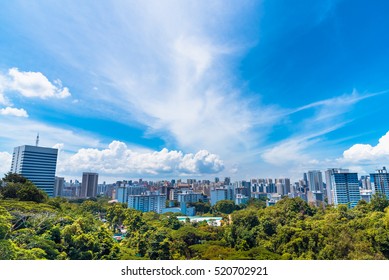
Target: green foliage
point(14, 178)
point(225, 206)
point(7, 250)
point(29, 192)
point(257, 203)
point(219, 251)
point(159, 246)
point(291, 229)
point(86, 240)
point(201, 207)
point(116, 214)
point(5, 224)
point(171, 222)
point(57, 202)
point(95, 207)
point(9, 191)
point(23, 191)
point(243, 231)
point(379, 202)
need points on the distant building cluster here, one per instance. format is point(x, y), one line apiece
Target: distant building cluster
point(38, 164)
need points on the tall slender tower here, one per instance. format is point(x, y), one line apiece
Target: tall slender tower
point(37, 140)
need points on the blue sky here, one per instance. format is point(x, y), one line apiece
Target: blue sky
point(196, 89)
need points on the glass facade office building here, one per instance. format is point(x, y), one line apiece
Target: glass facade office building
point(37, 164)
point(345, 187)
point(380, 182)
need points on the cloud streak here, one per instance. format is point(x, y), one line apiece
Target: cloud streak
point(22, 131)
point(173, 68)
point(302, 150)
point(183, 90)
point(333, 107)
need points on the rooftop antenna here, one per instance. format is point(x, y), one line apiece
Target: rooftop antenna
point(37, 140)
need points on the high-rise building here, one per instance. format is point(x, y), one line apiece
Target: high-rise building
point(328, 173)
point(89, 184)
point(242, 187)
point(147, 202)
point(345, 187)
point(380, 182)
point(283, 186)
point(315, 181)
point(364, 182)
point(241, 199)
point(222, 193)
point(102, 188)
point(124, 190)
point(315, 194)
point(122, 195)
point(37, 164)
point(305, 177)
point(189, 197)
point(58, 186)
point(270, 188)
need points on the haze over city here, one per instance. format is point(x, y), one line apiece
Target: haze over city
point(170, 89)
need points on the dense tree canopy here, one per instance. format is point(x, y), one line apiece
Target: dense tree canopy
point(16, 186)
point(56, 228)
point(14, 178)
point(225, 206)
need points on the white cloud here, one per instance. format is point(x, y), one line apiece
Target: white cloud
point(118, 159)
point(366, 153)
point(13, 112)
point(3, 99)
point(5, 163)
point(201, 163)
point(165, 65)
point(30, 85)
point(190, 104)
point(35, 84)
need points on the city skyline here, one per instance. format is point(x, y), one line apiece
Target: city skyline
point(196, 90)
point(38, 164)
